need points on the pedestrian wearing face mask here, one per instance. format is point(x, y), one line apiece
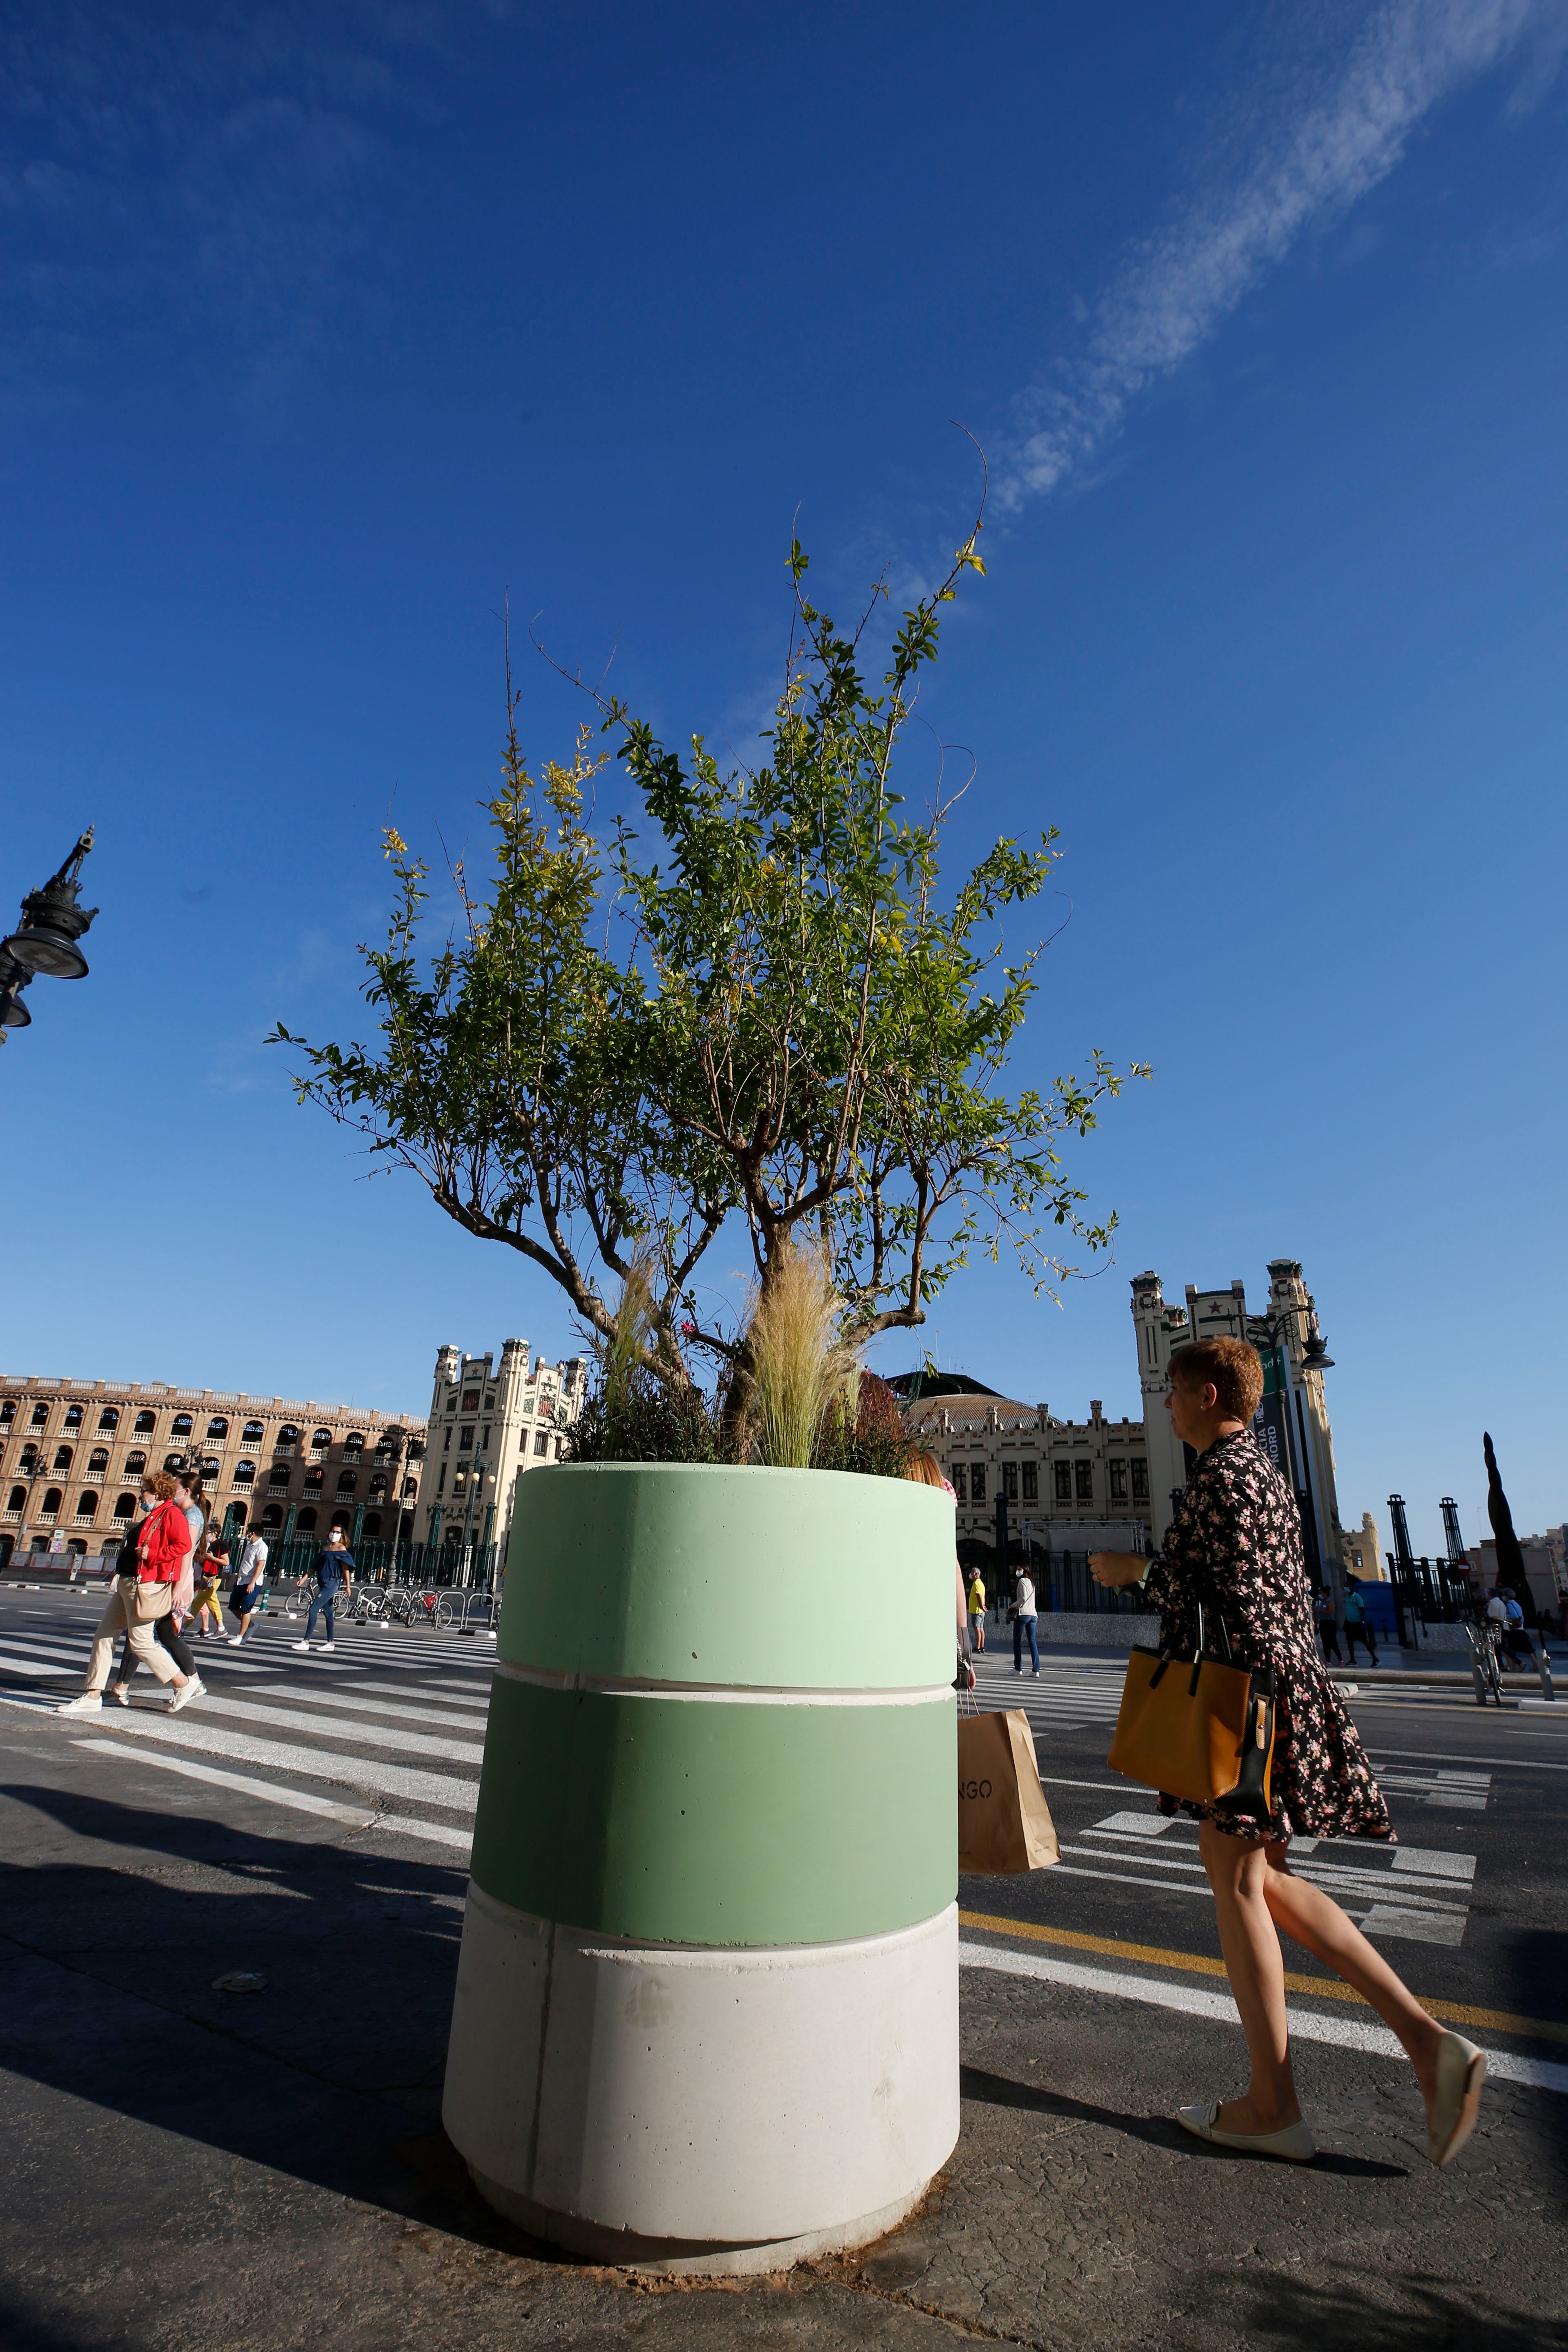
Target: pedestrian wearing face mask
point(142, 1593)
point(168, 1631)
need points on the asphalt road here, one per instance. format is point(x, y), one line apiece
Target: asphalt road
point(185, 2167)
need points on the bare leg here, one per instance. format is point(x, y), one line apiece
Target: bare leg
point(1314, 1920)
point(1236, 1872)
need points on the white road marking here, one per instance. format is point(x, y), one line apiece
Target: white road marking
point(301, 1799)
point(349, 1771)
point(1306, 2025)
point(370, 1735)
point(380, 1707)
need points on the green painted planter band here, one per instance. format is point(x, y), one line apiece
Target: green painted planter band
point(664, 1820)
point(674, 1573)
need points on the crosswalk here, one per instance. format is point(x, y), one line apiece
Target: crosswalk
point(1417, 1893)
point(385, 1733)
point(388, 1732)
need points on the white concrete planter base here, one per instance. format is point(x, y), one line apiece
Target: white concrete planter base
point(609, 2096)
point(625, 2251)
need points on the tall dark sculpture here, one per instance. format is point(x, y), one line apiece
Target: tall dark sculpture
point(1510, 1559)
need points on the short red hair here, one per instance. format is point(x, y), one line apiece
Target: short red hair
point(1234, 1369)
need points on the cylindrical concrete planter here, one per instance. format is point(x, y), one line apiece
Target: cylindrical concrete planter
point(707, 2005)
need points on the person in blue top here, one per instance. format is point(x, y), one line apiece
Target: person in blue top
point(1357, 1628)
point(335, 1567)
point(1514, 1633)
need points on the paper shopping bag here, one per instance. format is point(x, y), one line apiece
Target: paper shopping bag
point(1004, 1821)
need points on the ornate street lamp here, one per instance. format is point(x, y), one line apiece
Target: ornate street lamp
point(52, 922)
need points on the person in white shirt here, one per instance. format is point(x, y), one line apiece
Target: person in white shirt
point(246, 1594)
point(1024, 1616)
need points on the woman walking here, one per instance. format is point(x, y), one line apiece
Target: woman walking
point(141, 1600)
point(207, 1600)
point(167, 1631)
point(334, 1568)
point(1233, 1549)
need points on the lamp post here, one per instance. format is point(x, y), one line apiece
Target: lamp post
point(52, 922)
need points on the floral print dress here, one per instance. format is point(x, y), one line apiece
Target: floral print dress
point(1234, 1548)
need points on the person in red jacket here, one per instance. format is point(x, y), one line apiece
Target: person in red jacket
point(142, 1593)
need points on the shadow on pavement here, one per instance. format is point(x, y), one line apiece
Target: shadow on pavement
point(331, 2074)
point(1353, 2318)
point(1159, 2131)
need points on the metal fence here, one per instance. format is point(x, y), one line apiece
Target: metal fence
point(1061, 1580)
point(1430, 1592)
point(472, 1565)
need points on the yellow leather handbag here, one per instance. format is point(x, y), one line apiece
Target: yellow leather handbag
point(1204, 1732)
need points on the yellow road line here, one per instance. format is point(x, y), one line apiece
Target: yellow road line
point(1496, 2020)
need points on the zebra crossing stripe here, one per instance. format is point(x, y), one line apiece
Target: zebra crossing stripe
point(382, 1707)
point(310, 1764)
point(299, 1799)
point(369, 1735)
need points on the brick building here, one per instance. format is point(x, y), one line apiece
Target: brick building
point(73, 1453)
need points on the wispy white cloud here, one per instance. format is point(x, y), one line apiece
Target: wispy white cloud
point(1338, 132)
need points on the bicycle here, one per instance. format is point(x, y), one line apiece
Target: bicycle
point(369, 1603)
point(1483, 1641)
point(435, 1608)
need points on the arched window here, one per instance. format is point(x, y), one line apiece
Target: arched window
point(378, 1487)
point(99, 1458)
point(175, 1462)
point(146, 1422)
point(7, 1412)
point(314, 1480)
point(347, 1482)
point(272, 1517)
point(51, 1504)
point(18, 1501)
point(287, 1435)
point(76, 1549)
point(183, 1425)
point(306, 1523)
point(321, 1440)
point(211, 1465)
point(125, 1507)
point(372, 1527)
point(110, 1417)
point(135, 1463)
point(353, 1443)
point(40, 1413)
point(410, 1488)
point(244, 1474)
point(253, 1433)
point(277, 1478)
point(73, 1417)
point(62, 1458)
point(341, 1518)
point(217, 1427)
point(86, 1504)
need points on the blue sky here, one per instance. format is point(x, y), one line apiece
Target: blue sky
point(328, 329)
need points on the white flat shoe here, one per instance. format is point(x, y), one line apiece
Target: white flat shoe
point(1461, 2070)
point(1294, 2145)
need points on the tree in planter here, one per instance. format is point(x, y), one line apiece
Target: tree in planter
point(754, 1003)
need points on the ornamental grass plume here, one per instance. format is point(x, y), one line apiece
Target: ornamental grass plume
point(625, 1351)
point(801, 1362)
